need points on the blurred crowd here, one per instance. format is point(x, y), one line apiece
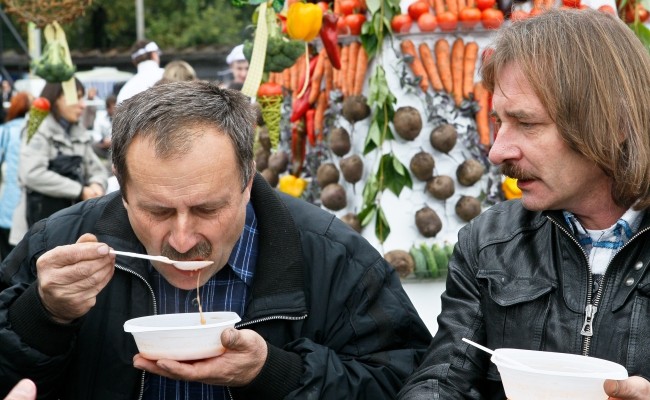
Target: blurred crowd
point(68, 156)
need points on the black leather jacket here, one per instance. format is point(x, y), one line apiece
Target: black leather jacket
point(519, 279)
point(335, 316)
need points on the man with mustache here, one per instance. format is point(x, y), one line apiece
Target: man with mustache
point(564, 269)
point(324, 316)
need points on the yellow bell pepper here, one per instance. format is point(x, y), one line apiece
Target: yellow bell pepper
point(304, 21)
point(292, 186)
point(510, 189)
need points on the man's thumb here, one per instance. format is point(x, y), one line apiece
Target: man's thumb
point(87, 238)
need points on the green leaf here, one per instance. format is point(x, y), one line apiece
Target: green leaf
point(399, 167)
point(373, 5)
point(370, 43)
point(394, 180)
point(382, 229)
point(367, 214)
point(373, 138)
point(642, 32)
point(370, 190)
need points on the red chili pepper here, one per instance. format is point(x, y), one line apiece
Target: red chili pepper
point(312, 66)
point(309, 121)
point(300, 106)
point(329, 37)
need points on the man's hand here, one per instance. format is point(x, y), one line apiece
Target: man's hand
point(24, 390)
point(633, 388)
point(245, 355)
point(91, 191)
point(70, 277)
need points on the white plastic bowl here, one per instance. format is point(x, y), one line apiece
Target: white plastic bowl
point(180, 336)
point(554, 376)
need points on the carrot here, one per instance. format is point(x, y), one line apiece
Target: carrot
point(286, 78)
point(439, 6)
point(329, 77)
point(457, 55)
point(317, 77)
point(548, 4)
point(443, 59)
point(430, 67)
point(343, 72)
point(337, 7)
point(348, 85)
point(295, 71)
point(539, 4)
point(471, 3)
point(319, 117)
point(469, 65)
point(461, 4)
point(452, 6)
point(482, 121)
point(360, 73)
point(408, 49)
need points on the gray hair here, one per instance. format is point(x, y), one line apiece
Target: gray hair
point(174, 114)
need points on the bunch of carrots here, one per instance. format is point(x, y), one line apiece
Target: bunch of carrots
point(451, 71)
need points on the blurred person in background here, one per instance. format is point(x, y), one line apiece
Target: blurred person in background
point(90, 112)
point(10, 139)
point(146, 57)
point(58, 166)
point(238, 65)
point(178, 70)
point(104, 127)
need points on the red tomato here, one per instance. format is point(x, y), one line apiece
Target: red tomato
point(323, 6)
point(269, 89)
point(41, 103)
point(401, 23)
point(571, 3)
point(342, 27)
point(418, 8)
point(447, 21)
point(427, 22)
point(606, 8)
point(469, 17)
point(518, 15)
point(491, 18)
point(355, 22)
point(485, 4)
point(637, 10)
point(348, 7)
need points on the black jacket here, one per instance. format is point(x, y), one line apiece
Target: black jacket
point(520, 279)
point(338, 323)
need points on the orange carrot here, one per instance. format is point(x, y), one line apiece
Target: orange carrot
point(443, 58)
point(439, 6)
point(452, 6)
point(469, 65)
point(461, 4)
point(319, 117)
point(343, 72)
point(286, 78)
point(457, 55)
point(408, 49)
point(317, 77)
point(360, 73)
point(295, 72)
point(348, 85)
point(471, 3)
point(337, 7)
point(482, 121)
point(329, 77)
point(430, 67)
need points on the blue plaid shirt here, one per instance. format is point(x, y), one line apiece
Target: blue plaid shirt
point(601, 245)
point(225, 291)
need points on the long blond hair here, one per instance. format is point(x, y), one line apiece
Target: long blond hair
point(592, 75)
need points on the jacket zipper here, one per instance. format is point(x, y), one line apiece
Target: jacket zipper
point(155, 311)
point(592, 308)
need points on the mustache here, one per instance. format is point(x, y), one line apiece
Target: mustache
point(516, 172)
point(201, 250)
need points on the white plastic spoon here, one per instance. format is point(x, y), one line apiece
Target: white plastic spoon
point(505, 358)
point(183, 265)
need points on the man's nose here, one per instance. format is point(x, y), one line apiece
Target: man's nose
point(183, 236)
point(503, 148)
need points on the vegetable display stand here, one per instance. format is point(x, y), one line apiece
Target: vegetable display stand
point(385, 122)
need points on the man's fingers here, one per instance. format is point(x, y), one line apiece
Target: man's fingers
point(24, 390)
point(231, 339)
point(87, 238)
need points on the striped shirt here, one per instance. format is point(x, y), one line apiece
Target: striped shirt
point(227, 290)
point(601, 245)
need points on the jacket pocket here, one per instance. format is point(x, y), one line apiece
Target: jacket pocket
point(638, 345)
point(515, 310)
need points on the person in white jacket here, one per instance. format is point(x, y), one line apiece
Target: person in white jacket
point(146, 57)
